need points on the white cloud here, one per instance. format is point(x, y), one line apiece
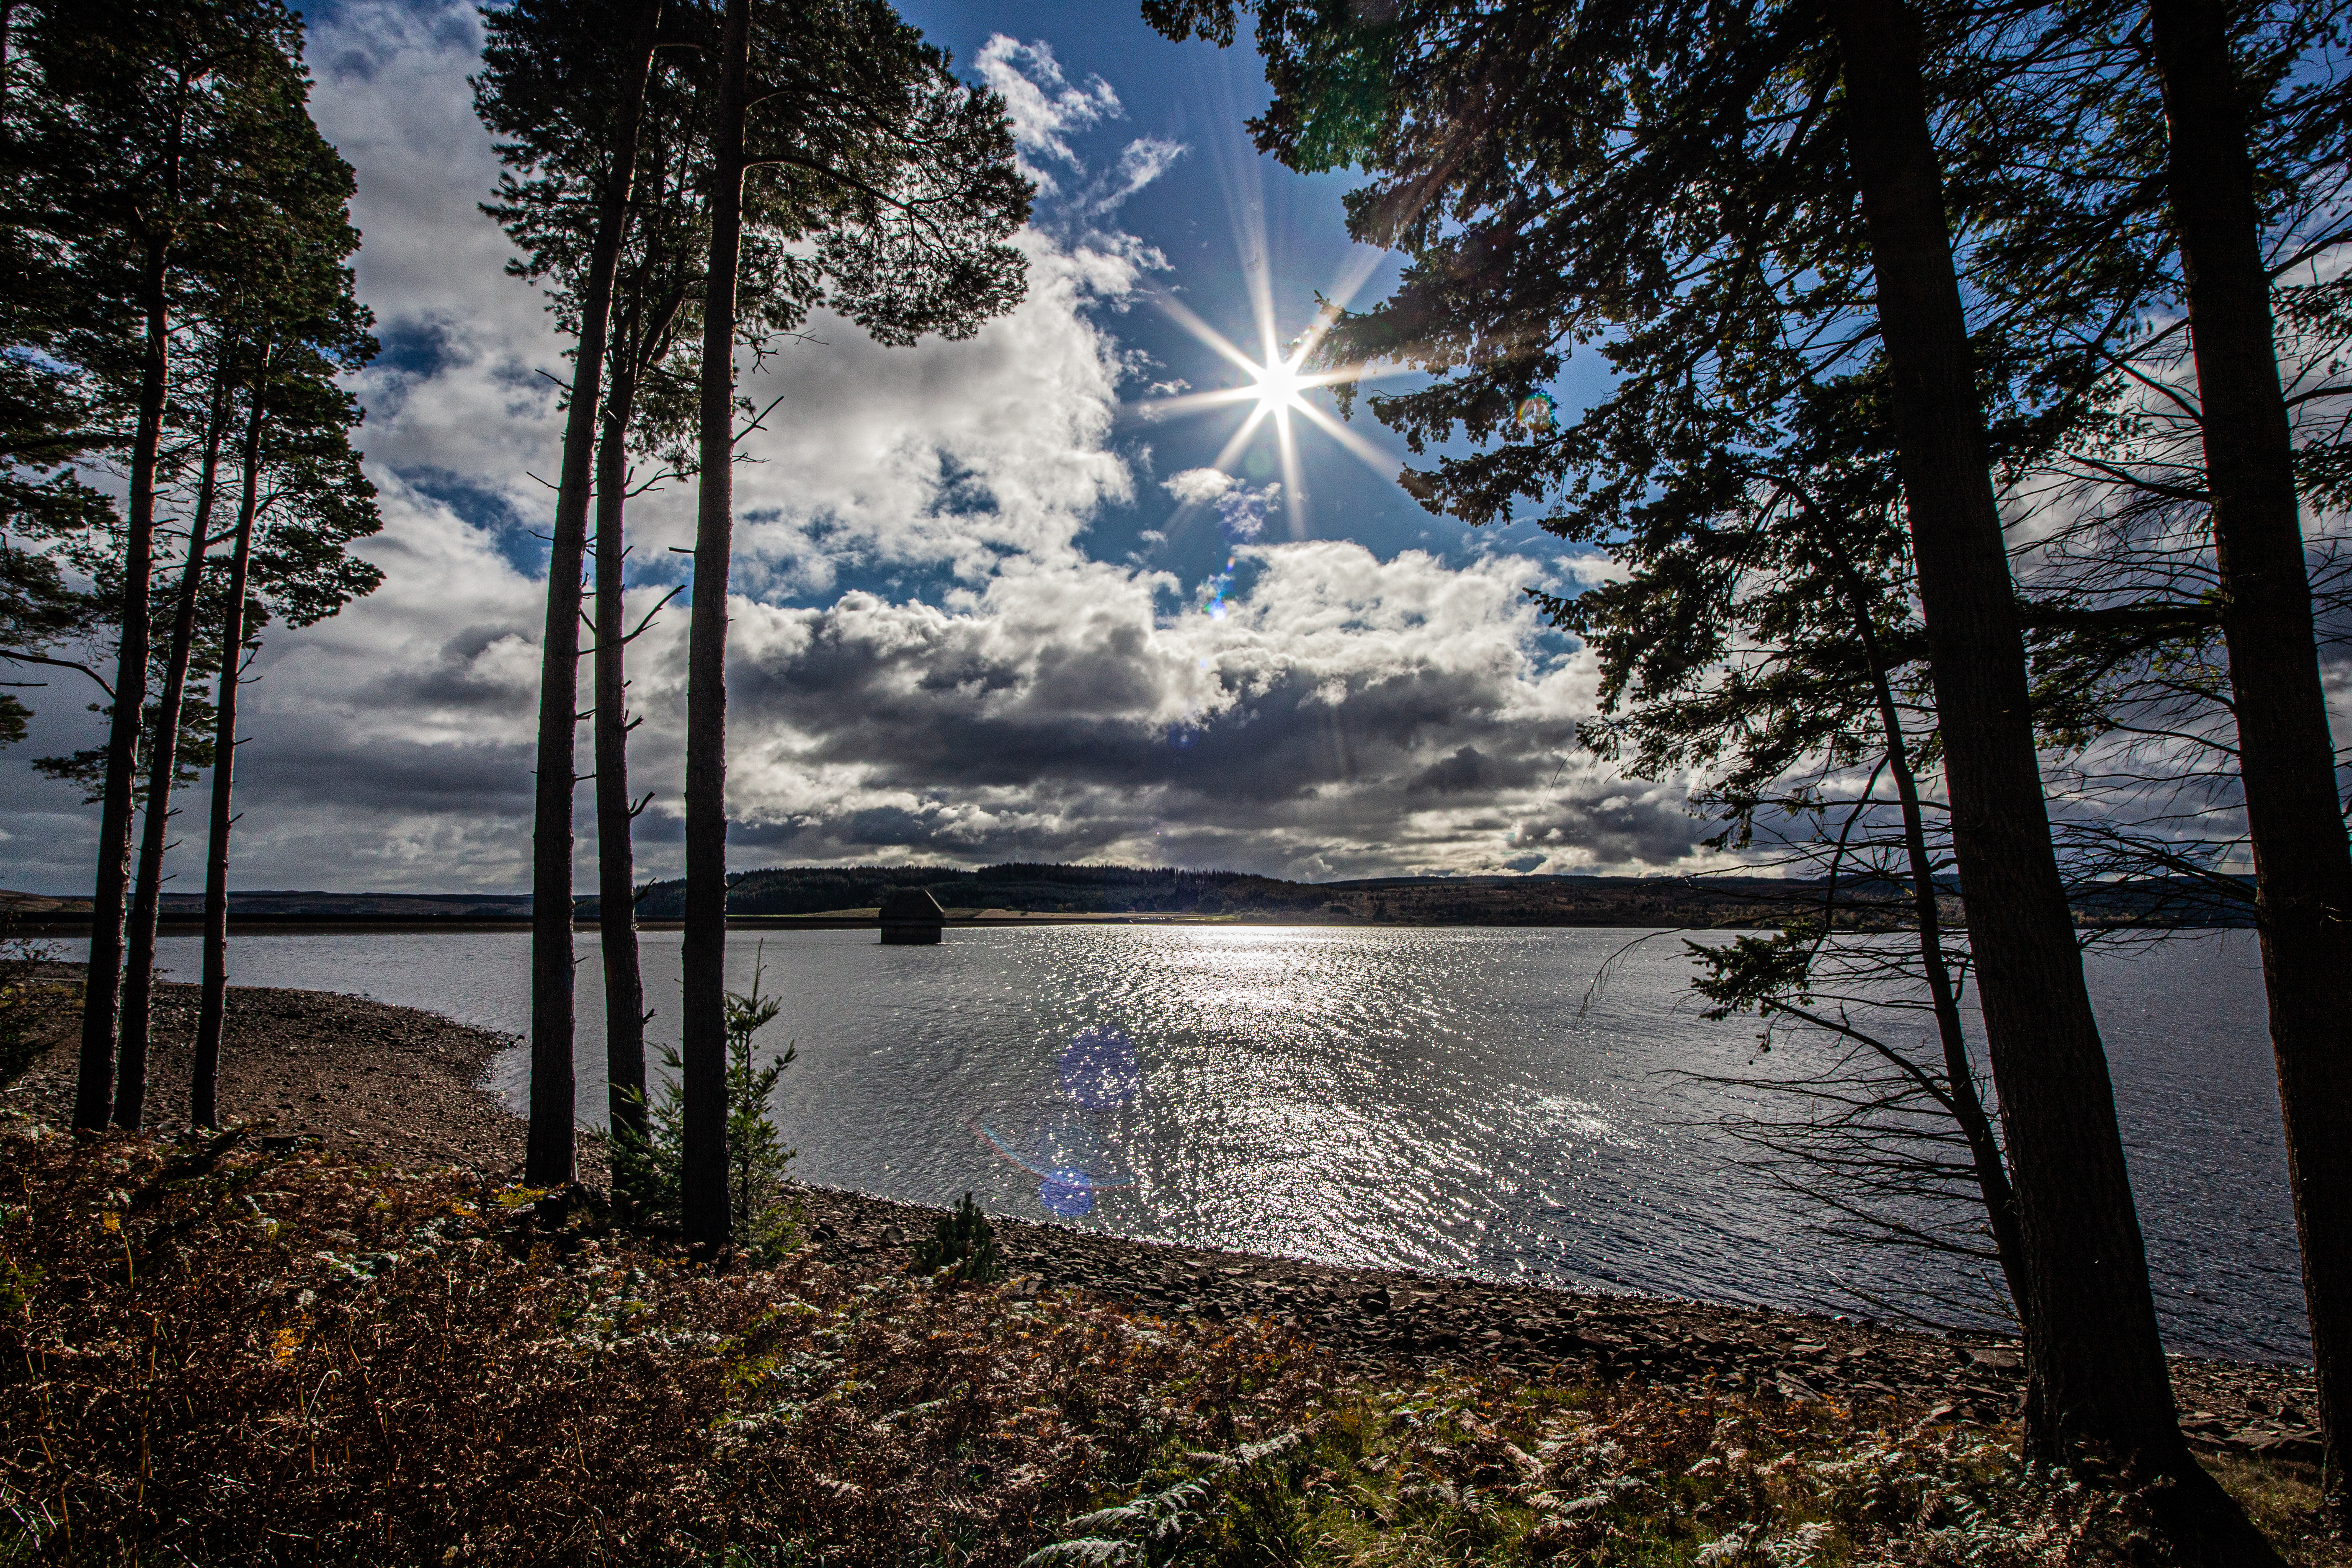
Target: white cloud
point(465, 387)
point(1197, 487)
point(1046, 109)
point(1043, 105)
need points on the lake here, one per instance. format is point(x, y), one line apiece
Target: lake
point(1449, 1098)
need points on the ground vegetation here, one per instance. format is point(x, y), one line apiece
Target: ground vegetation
point(236, 1352)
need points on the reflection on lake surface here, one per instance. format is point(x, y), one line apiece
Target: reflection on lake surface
point(1435, 1098)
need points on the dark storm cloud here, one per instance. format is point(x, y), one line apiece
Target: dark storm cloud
point(1466, 770)
point(1348, 713)
point(1619, 822)
point(385, 774)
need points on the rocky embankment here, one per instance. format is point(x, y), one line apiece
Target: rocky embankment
point(395, 1086)
point(1372, 1316)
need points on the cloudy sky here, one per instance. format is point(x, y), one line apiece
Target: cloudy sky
point(989, 605)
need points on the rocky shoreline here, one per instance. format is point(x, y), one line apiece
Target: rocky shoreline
point(1369, 1316)
point(400, 1087)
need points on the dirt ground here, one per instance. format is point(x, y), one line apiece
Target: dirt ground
point(392, 1086)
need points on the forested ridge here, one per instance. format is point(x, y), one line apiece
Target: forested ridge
point(1719, 902)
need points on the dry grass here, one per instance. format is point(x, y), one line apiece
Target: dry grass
point(2284, 1500)
point(220, 1354)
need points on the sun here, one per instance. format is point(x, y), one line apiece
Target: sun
point(1277, 385)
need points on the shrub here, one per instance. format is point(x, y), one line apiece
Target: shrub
point(965, 1243)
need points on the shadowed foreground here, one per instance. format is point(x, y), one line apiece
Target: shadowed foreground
point(222, 1353)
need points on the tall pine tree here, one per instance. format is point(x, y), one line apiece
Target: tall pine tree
point(869, 180)
point(564, 81)
point(142, 123)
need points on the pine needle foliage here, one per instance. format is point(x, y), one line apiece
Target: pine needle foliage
point(645, 1169)
point(964, 1245)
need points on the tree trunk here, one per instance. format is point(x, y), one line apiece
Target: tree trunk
point(103, 986)
point(203, 1080)
point(1985, 1154)
point(2095, 1373)
point(2286, 755)
point(548, 1147)
point(702, 1185)
point(162, 763)
point(616, 918)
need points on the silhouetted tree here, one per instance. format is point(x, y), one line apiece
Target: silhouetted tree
point(564, 81)
point(2286, 755)
point(140, 123)
point(1763, 642)
point(649, 407)
point(1698, 186)
point(301, 501)
point(873, 182)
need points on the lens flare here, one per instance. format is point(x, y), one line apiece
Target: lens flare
point(1067, 1158)
point(1069, 1193)
point(1099, 1073)
point(1100, 1068)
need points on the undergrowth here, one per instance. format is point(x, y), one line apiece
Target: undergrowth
point(212, 1352)
point(648, 1169)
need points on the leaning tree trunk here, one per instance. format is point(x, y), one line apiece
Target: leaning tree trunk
point(2286, 755)
point(702, 1015)
point(1965, 1105)
point(1991, 1165)
point(162, 763)
point(2095, 1373)
point(204, 1079)
point(617, 906)
point(103, 986)
point(548, 1146)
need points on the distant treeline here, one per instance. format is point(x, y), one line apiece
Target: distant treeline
point(1043, 889)
point(1716, 901)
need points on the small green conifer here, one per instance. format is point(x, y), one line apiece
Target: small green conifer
point(964, 1245)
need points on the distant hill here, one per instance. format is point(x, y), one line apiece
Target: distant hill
point(1716, 902)
point(1123, 890)
point(299, 906)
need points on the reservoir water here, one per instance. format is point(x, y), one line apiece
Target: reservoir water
point(1476, 1099)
